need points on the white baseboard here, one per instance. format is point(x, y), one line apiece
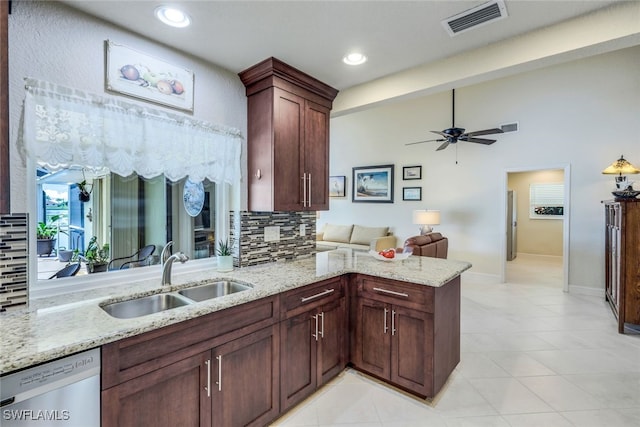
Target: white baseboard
point(586, 290)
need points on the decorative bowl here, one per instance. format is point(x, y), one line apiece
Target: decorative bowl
point(398, 257)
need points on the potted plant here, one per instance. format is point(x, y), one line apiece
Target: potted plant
point(46, 234)
point(224, 256)
point(85, 194)
point(96, 256)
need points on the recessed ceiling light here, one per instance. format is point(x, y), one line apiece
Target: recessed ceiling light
point(172, 16)
point(354, 58)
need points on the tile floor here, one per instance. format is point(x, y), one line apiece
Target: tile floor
point(532, 356)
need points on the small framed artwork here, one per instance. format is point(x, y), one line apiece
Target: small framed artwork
point(411, 172)
point(337, 186)
point(136, 74)
point(412, 193)
point(373, 184)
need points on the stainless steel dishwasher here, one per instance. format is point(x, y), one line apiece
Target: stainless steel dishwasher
point(64, 392)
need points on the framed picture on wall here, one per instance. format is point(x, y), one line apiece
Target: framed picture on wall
point(337, 186)
point(139, 75)
point(411, 172)
point(412, 193)
point(373, 184)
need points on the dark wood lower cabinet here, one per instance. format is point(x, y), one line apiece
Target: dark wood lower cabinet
point(412, 350)
point(245, 391)
point(395, 345)
point(408, 335)
point(313, 350)
point(247, 365)
point(172, 396)
point(373, 339)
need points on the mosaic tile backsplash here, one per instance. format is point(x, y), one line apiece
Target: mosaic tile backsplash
point(248, 229)
point(14, 258)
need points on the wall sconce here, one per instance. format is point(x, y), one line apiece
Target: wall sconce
point(621, 166)
point(426, 218)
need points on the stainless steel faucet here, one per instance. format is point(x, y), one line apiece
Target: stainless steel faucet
point(165, 253)
point(166, 268)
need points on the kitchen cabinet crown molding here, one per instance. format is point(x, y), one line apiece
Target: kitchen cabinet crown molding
point(271, 69)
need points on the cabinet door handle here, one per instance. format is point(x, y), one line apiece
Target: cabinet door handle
point(385, 320)
point(321, 315)
point(309, 189)
point(386, 291)
point(208, 386)
point(315, 318)
point(321, 294)
point(393, 322)
point(219, 382)
point(304, 190)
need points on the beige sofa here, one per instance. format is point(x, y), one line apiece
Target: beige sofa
point(355, 236)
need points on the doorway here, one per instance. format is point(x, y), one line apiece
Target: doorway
point(535, 244)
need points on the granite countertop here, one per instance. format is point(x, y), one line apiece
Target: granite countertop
point(62, 325)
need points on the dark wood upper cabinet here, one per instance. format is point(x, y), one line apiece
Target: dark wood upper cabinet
point(5, 197)
point(288, 138)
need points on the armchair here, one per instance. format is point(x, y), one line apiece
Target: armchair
point(135, 260)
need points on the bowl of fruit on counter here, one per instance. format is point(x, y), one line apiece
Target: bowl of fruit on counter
point(390, 255)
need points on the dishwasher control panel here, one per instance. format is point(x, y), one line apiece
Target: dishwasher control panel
point(55, 374)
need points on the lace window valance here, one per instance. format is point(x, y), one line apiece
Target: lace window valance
point(65, 127)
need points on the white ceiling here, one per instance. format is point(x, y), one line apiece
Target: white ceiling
point(314, 35)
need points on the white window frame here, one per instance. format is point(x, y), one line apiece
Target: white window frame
point(546, 194)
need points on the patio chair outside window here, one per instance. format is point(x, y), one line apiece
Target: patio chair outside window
point(137, 259)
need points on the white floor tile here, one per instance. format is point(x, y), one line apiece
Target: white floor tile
point(519, 364)
point(614, 390)
point(560, 394)
point(603, 418)
point(508, 396)
point(548, 419)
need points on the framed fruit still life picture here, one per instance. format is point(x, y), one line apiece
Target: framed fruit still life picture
point(136, 74)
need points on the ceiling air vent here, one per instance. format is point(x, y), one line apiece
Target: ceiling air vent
point(510, 127)
point(479, 15)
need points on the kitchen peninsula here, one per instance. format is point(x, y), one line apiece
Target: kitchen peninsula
point(415, 304)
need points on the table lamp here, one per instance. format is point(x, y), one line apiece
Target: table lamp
point(426, 218)
point(620, 167)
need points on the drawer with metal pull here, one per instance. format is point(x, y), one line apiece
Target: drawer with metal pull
point(414, 296)
point(305, 298)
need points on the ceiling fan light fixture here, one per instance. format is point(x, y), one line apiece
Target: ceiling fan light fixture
point(172, 16)
point(354, 58)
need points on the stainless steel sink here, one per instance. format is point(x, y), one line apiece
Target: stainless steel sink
point(145, 305)
point(213, 290)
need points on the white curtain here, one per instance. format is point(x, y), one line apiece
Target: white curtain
point(65, 127)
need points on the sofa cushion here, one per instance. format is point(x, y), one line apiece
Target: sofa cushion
point(364, 235)
point(337, 233)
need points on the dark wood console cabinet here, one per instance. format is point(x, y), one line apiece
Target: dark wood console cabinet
point(288, 138)
point(622, 260)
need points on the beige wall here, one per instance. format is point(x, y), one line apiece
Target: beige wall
point(535, 236)
point(566, 113)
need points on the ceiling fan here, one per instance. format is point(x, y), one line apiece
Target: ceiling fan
point(455, 134)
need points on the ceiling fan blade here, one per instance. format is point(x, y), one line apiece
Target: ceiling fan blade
point(479, 140)
point(443, 146)
point(485, 132)
point(440, 133)
point(428, 140)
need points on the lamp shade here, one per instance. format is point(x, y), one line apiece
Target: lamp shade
point(620, 166)
point(426, 217)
